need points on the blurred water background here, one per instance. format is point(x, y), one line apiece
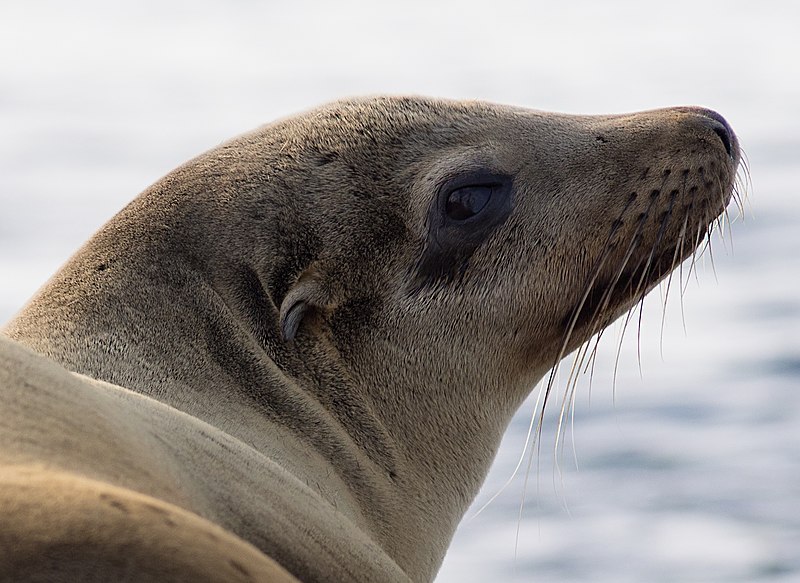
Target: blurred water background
point(686, 471)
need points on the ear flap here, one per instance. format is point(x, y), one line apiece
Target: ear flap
point(305, 296)
point(292, 318)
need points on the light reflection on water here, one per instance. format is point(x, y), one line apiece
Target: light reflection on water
point(690, 472)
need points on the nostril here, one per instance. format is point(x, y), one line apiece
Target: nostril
point(717, 123)
point(725, 136)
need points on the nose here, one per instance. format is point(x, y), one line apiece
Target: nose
point(717, 124)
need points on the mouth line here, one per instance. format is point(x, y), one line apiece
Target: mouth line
point(607, 295)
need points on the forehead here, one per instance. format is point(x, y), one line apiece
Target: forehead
point(383, 119)
point(423, 137)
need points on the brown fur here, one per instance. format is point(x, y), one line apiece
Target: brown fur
point(290, 374)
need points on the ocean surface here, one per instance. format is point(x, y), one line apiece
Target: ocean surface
point(684, 464)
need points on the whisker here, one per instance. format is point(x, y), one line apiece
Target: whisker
point(519, 462)
point(676, 262)
point(594, 273)
point(699, 234)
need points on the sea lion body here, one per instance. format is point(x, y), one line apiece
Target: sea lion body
point(318, 332)
point(68, 436)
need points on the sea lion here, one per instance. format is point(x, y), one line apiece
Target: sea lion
point(315, 335)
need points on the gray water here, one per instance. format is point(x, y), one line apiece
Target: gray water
point(687, 471)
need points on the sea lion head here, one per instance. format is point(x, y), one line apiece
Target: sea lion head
point(486, 239)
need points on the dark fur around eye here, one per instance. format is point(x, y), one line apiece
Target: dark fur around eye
point(464, 212)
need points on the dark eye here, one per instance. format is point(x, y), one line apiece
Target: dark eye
point(467, 201)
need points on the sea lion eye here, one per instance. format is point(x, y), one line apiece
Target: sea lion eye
point(466, 210)
point(467, 201)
